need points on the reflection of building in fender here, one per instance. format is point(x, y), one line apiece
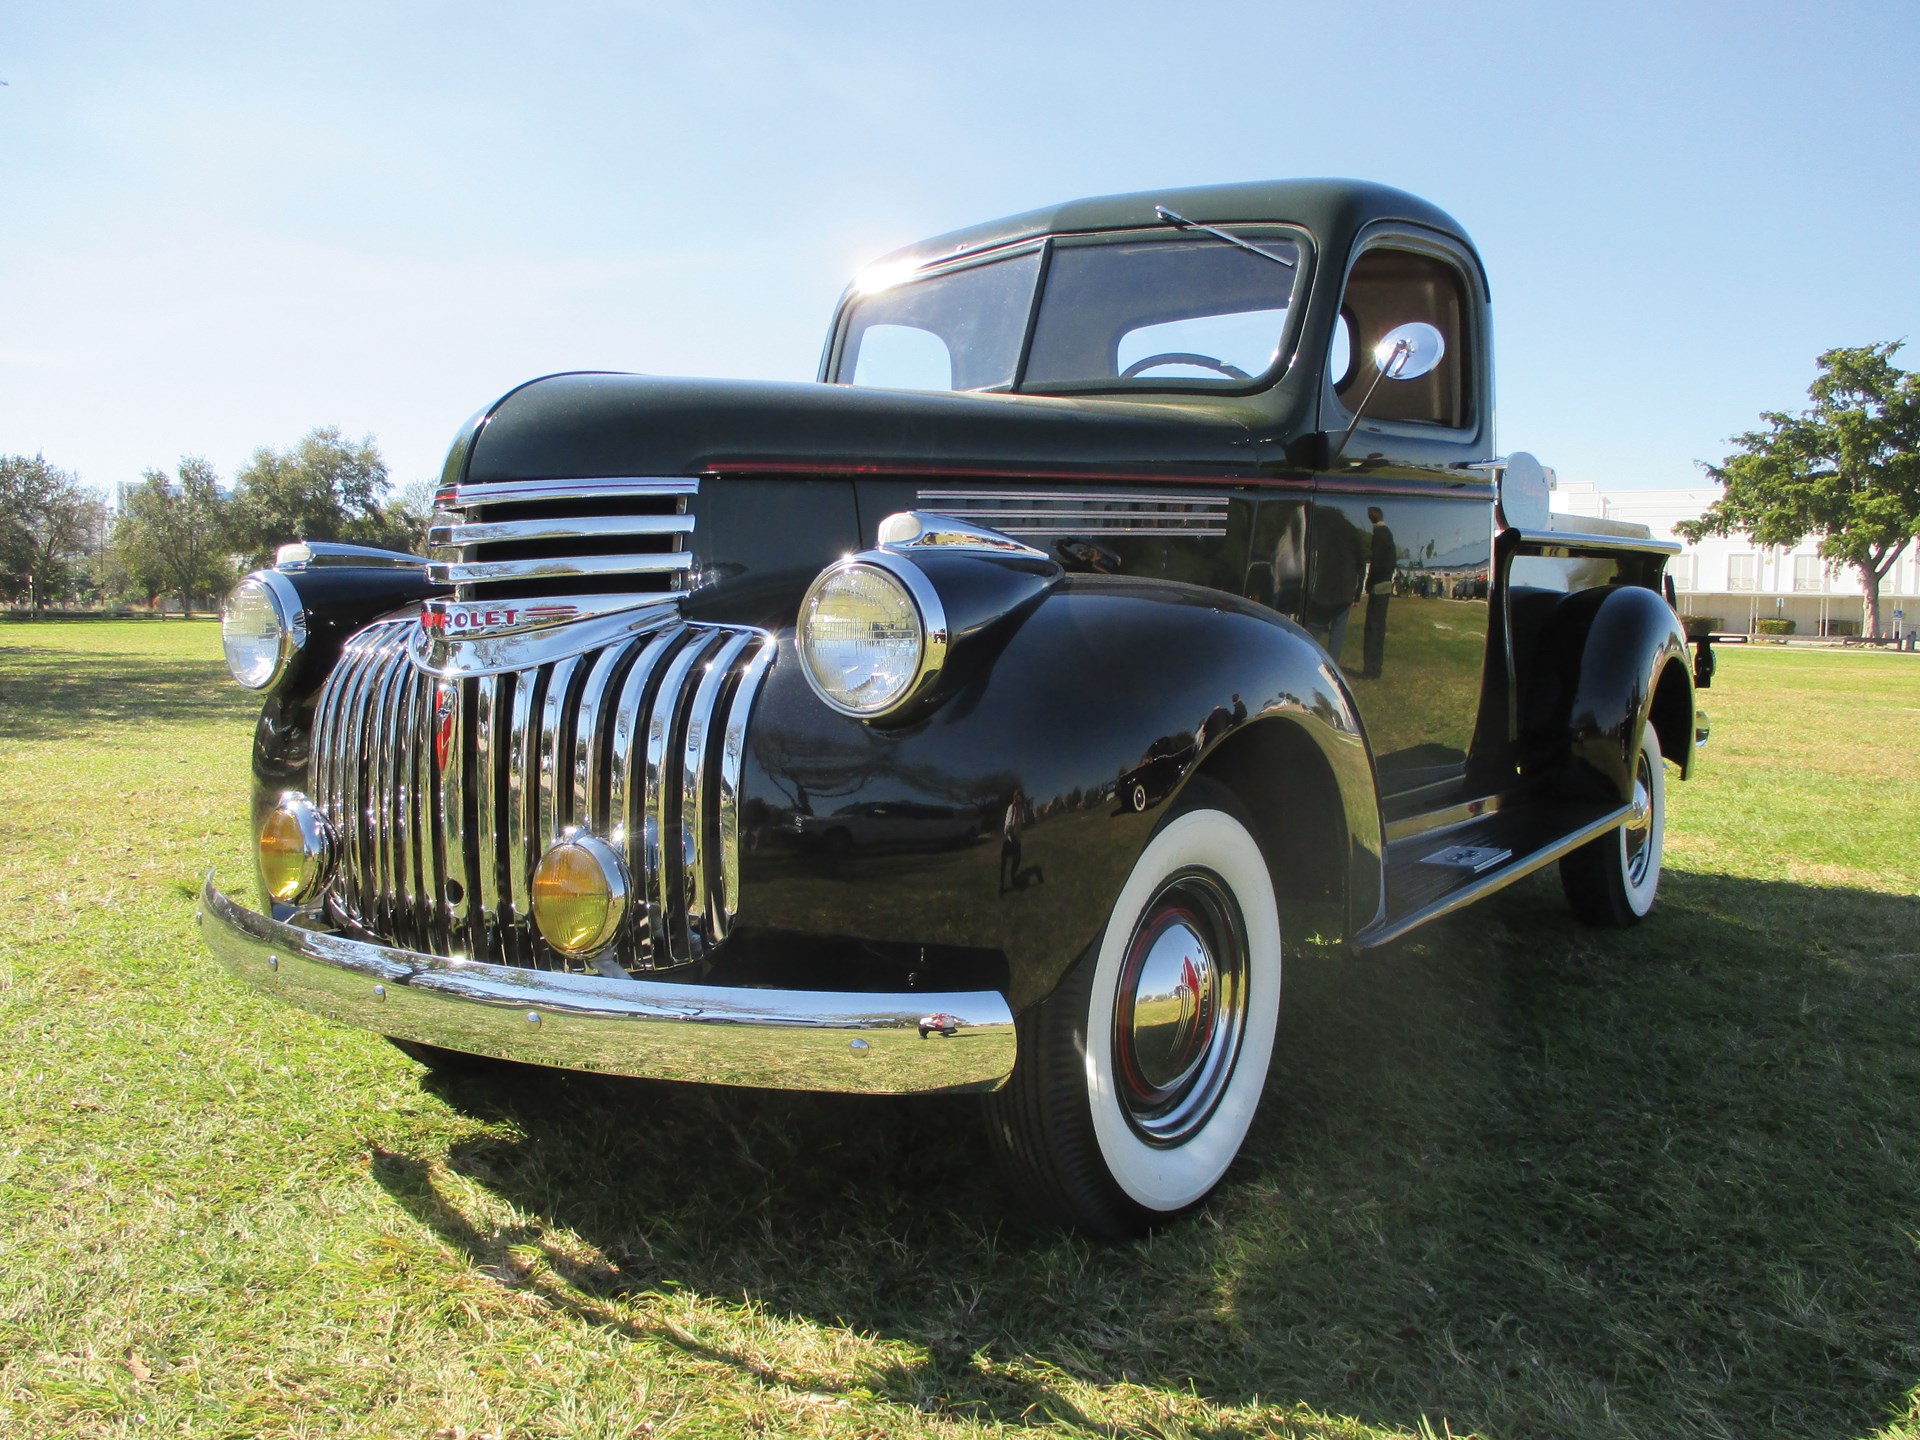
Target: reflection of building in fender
point(1740, 583)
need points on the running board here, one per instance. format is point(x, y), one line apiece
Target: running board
point(1477, 864)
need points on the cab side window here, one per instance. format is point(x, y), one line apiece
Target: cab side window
point(1389, 287)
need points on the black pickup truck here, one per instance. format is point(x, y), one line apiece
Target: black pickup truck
point(1139, 586)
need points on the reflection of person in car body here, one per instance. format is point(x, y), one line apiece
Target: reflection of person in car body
point(1336, 577)
point(1010, 840)
point(1380, 568)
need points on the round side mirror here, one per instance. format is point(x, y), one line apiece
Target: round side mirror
point(1409, 351)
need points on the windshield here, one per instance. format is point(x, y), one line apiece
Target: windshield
point(1150, 313)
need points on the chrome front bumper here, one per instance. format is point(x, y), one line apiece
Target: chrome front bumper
point(877, 1044)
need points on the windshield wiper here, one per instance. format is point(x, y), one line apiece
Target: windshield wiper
point(1185, 224)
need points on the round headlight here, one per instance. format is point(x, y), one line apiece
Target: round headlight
point(579, 894)
point(295, 850)
point(871, 635)
point(262, 626)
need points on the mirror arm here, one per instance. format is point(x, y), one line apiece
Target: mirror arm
point(1395, 362)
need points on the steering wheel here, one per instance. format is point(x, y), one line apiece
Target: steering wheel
point(1184, 357)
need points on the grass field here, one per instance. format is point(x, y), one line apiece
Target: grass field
point(1513, 1178)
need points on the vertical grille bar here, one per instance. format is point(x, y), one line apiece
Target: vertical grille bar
point(723, 901)
point(360, 723)
point(489, 749)
point(452, 728)
point(627, 783)
point(414, 899)
point(433, 840)
point(346, 783)
point(523, 812)
point(384, 792)
point(699, 838)
point(589, 736)
point(662, 859)
point(556, 793)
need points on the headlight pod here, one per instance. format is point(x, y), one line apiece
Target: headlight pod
point(263, 626)
point(872, 635)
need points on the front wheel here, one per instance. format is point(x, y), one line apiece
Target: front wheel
point(1139, 1076)
point(1611, 882)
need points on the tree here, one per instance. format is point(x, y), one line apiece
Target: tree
point(401, 522)
point(1847, 469)
point(172, 534)
point(46, 521)
point(325, 488)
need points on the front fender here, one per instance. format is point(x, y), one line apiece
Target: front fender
point(336, 602)
point(1590, 684)
point(994, 820)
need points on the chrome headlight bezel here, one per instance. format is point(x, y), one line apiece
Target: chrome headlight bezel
point(286, 640)
point(921, 674)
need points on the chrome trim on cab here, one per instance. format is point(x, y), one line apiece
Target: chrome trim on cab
point(876, 1044)
point(1075, 513)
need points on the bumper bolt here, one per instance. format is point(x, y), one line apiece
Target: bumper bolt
point(533, 1019)
point(859, 1048)
point(379, 992)
point(273, 962)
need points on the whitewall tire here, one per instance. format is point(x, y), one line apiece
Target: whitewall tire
point(1139, 1077)
point(1612, 881)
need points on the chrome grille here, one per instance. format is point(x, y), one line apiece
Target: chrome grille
point(517, 538)
point(443, 794)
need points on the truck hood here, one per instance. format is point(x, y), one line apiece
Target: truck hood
point(599, 424)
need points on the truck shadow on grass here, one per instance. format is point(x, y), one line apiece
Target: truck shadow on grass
point(52, 694)
point(1528, 1177)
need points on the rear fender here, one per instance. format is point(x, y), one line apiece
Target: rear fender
point(1006, 815)
point(1606, 661)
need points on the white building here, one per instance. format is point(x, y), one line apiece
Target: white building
point(1740, 583)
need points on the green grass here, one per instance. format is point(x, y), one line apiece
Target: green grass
point(1514, 1177)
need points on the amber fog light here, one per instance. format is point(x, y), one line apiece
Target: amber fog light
point(579, 894)
point(296, 850)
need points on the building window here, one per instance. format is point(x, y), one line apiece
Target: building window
point(1740, 572)
point(1809, 574)
point(1681, 568)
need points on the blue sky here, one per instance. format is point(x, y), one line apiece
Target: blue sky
point(226, 224)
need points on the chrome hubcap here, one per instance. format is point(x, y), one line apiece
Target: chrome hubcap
point(1181, 1007)
point(1638, 831)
